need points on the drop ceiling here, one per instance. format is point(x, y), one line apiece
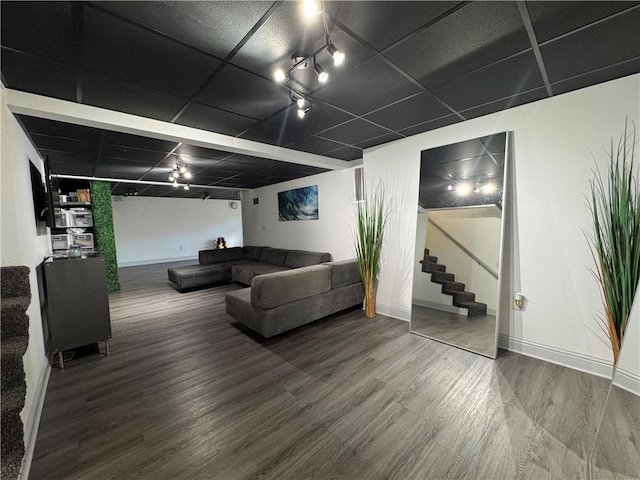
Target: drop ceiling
point(411, 67)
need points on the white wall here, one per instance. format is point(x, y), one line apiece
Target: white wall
point(550, 256)
point(20, 245)
point(332, 232)
point(155, 230)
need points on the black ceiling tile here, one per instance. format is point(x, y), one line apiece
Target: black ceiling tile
point(494, 143)
point(126, 153)
point(606, 43)
point(593, 78)
point(455, 152)
point(431, 125)
point(382, 23)
point(346, 153)
point(42, 126)
point(353, 132)
point(503, 79)
point(320, 117)
point(120, 49)
point(274, 134)
point(145, 143)
point(114, 94)
point(230, 21)
point(283, 33)
point(238, 91)
point(37, 75)
point(503, 104)
point(471, 37)
point(65, 163)
point(315, 145)
point(117, 168)
point(47, 29)
point(61, 144)
point(372, 142)
point(416, 109)
point(367, 87)
point(553, 18)
point(215, 120)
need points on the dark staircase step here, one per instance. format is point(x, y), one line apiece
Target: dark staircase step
point(12, 438)
point(450, 288)
point(474, 309)
point(430, 267)
point(14, 282)
point(463, 297)
point(11, 368)
point(430, 258)
point(441, 277)
point(13, 311)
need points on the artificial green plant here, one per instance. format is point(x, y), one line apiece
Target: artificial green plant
point(371, 218)
point(104, 232)
point(615, 244)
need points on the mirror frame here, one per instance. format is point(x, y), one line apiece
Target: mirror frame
point(504, 268)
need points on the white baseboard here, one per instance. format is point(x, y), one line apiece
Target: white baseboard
point(152, 261)
point(627, 380)
point(33, 422)
point(440, 306)
point(565, 358)
point(393, 312)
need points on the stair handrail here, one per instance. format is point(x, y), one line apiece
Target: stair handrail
point(465, 249)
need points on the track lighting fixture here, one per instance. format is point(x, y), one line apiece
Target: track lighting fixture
point(300, 61)
point(186, 186)
point(310, 8)
point(279, 75)
point(322, 75)
point(338, 56)
point(179, 174)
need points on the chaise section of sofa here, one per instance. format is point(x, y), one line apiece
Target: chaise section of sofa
point(280, 301)
point(241, 264)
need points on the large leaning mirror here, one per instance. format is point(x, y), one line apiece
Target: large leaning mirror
point(456, 281)
point(616, 452)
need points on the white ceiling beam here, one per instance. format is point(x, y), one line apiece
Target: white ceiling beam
point(70, 112)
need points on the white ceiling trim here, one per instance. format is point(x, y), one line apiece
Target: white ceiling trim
point(70, 112)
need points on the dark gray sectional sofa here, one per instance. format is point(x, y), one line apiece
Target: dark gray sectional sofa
point(289, 288)
point(280, 301)
point(241, 264)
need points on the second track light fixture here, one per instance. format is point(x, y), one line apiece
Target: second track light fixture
point(179, 176)
point(300, 61)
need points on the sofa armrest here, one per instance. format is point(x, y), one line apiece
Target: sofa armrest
point(274, 289)
point(344, 273)
point(219, 255)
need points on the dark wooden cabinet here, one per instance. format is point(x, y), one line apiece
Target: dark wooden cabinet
point(77, 303)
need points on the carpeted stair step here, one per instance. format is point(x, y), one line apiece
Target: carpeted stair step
point(474, 309)
point(12, 437)
point(463, 297)
point(13, 312)
point(14, 282)
point(11, 369)
point(449, 288)
point(430, 267)
point(441, 277)
point(430, 258)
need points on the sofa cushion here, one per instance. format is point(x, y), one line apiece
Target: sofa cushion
point(274, 256)
point(344, 273)
point(191, 276)
point(272, 290)
point(252, 253)
point(247, 270)
point(206, 257)
point(300, 258)
point(274, 321)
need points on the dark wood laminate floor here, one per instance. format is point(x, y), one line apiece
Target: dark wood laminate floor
point(187, 393)
point(477, 334)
